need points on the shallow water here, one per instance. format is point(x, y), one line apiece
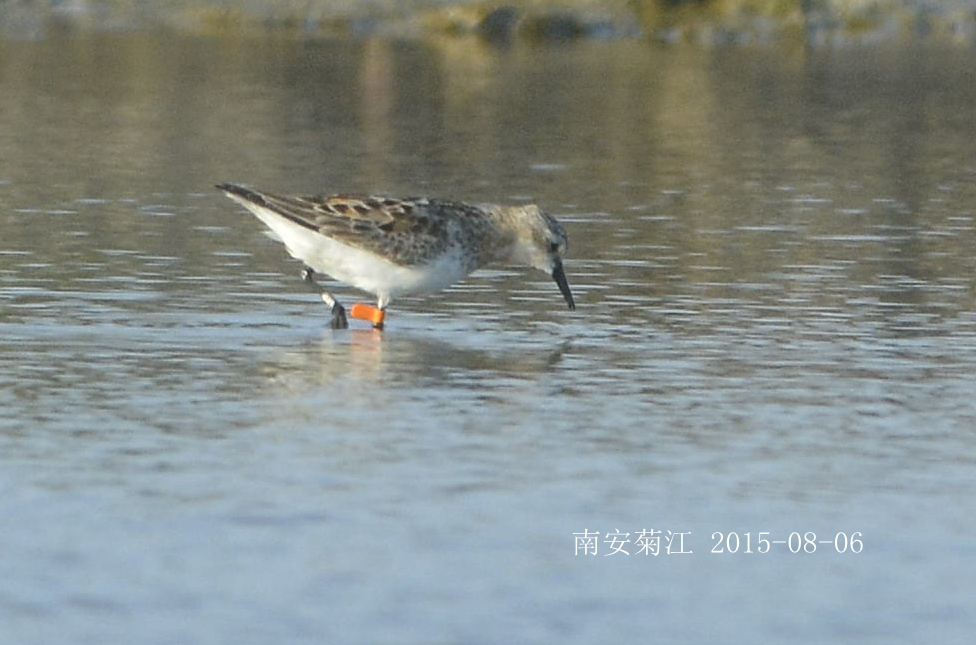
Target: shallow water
point(773, 260)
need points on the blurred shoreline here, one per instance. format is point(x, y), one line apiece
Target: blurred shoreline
point(708, 23)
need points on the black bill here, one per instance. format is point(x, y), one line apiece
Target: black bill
point(560, 277)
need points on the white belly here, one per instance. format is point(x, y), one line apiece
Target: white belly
point(358, 268)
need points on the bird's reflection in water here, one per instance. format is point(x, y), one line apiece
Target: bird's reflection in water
point(412, 357)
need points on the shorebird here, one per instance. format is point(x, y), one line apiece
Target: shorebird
point(397, 247)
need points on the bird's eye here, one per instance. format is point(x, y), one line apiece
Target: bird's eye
point(553, 247)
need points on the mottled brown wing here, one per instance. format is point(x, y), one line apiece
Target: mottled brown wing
point(407, 231)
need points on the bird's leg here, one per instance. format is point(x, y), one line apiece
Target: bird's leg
point(359, 310)
point(373, 314)
point(338, 311)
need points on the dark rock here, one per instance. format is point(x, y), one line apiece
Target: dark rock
point(498, 26)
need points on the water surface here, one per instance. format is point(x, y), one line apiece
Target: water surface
point(776, 333)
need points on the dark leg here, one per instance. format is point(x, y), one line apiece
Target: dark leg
point(339, 320)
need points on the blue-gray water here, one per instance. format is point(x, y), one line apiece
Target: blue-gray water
point(773, 256)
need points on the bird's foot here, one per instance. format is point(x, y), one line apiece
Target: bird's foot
point(339, 320)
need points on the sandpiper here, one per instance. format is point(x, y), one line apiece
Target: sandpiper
point(398, 247)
